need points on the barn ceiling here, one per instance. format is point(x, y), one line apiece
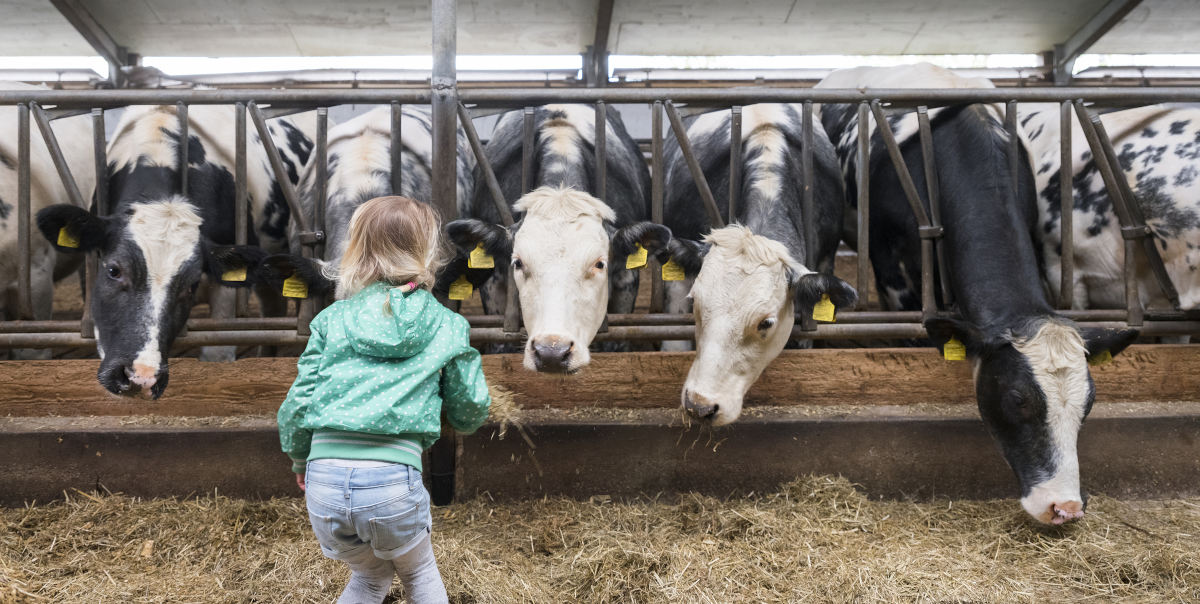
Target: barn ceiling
point(673, 27)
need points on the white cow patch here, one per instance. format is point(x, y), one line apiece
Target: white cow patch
point(563, 294)
point(742, 283)
point(168, 234)
point(1058, 357)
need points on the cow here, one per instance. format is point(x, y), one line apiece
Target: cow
point(569, 250)
point(156, 244)
point(359, 168)
point(1032, 382)
point(746, 282)
point(74, 136)
point(1158, 148)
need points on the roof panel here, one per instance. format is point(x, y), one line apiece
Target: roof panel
point(675, 27)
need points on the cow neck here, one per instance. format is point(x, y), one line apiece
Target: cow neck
point(992, 261)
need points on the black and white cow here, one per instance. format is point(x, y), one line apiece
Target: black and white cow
point(745, 282)
point(1158, 148)
point(359, 169)
point(156, 244)
point(74, 136)
point(568, 248)
point(1032, 382)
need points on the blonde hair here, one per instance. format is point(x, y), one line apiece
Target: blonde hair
point(392, 239)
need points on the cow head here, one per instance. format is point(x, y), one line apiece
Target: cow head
point(747, 290)
point(1034, 389)
point(564, 252)
point(152, 257)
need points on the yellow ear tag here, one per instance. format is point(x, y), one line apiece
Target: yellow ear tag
point(824, 310)
point(461, 288)
point(295, 287)
point(1101, 358)
point(671, 271)
point(954, 350)
point(234, 274)
point(637, 259)
point(66, 239)
point(479, 258)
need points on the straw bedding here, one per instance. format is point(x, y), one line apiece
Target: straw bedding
point(816, 539)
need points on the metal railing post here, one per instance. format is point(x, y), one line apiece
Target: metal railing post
point(1066, 213)
point(658, 293)
point(24, 252)
point(735, 162)
point(397, 148)
point(863, 176)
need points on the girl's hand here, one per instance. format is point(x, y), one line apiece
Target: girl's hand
point(300, 481)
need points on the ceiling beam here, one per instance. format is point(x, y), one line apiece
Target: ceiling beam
point(1087, 35)
point(82, 20)
point(595, 58)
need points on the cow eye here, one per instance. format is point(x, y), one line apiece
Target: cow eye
point(517, 264)
point(114, 271)
point(766, 324)
point(600, 265)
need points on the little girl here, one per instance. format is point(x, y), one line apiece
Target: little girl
point(382, 365)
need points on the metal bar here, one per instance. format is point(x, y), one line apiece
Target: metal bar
point(1087, 35)
point(397, 147)
point(527, 143)
point(685, 146)
point(1133, 304)
point(1014, 145)
point(24, 253)
point(56, 154)
point(735, 161)
point(241, 211)
point(1066, 196)
point(863, 174)
point(444, 91)
point(933, 188)
point(658, 292)
point(489, 175)
point(602, 146)
point(87, 326)
point(281, 175)
point(512, 303)
point(893, 149)
point(181, 114)
point(321, 177)
point(522, 97)
point(596, 73)
point(806, 200)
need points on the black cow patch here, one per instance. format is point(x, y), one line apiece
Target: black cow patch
point(1156, 203)
point(297, 143)
point(1186, 176)
point(196, 153)
point(1177, 127)
point(1149, 133)
point(5, 210)
point(7, 162)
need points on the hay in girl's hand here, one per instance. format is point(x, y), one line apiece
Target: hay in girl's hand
point(504, 410)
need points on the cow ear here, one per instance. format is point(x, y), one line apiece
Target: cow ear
point(273, 270)
point(232, 265)
point(1100, 340)
point(72, 229)
point(653, 237)
point(810, 288)
point(688, 254)
point(468, 233)
point(942, 329)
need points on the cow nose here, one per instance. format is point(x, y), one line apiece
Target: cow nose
point(698, 406)
point(552, 353)
point(1066, 511)
point(143, 375)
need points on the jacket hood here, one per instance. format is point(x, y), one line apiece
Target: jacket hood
point(404, 333)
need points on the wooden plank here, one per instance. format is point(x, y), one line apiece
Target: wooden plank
point(884, 376)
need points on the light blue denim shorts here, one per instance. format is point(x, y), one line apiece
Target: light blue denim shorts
point(384, 508)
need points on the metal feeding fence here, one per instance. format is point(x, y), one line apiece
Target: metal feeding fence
point(451, 106)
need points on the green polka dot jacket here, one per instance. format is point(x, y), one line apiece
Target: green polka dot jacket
point(373, 385)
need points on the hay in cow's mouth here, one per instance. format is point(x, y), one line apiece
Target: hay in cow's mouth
point(816, 539)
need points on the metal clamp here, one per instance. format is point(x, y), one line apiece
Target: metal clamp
point(931, 232)
point(311, 237)
point(1135, 232)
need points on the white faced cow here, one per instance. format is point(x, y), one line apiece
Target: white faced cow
point(568, 249)
point(156, 244)
point(1031, 375)
point(1158, 148)
point(74, 136)
point(359, 169)
point(745, 282)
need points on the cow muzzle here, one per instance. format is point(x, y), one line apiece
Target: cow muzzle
point(552, 354)
point(699, 406)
